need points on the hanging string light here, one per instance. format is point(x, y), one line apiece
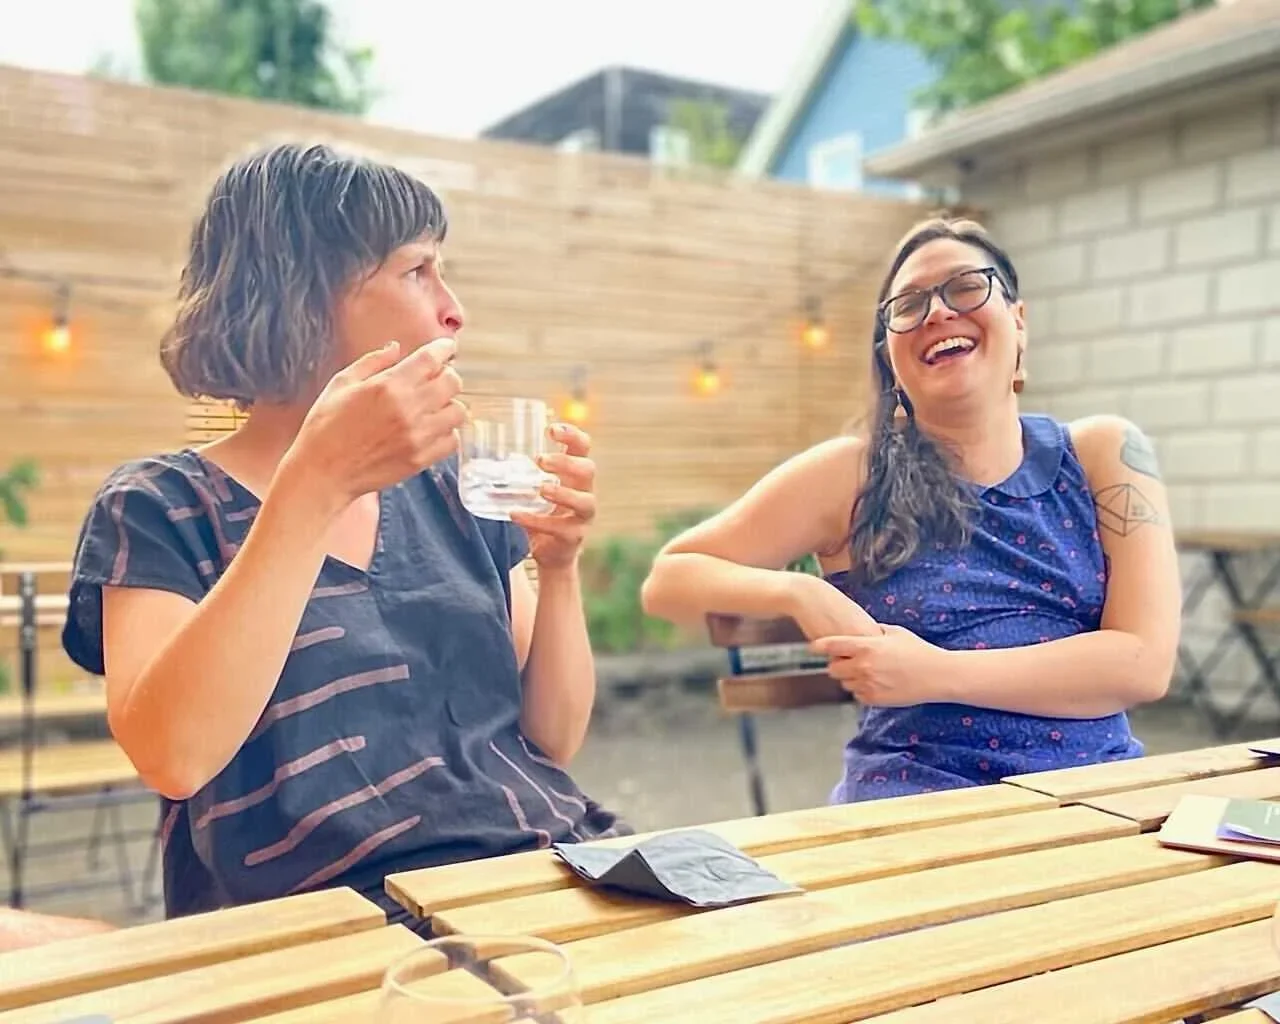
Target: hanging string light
point(707, 380)
point(57, 336)
point(576, 409)
point(814, 334)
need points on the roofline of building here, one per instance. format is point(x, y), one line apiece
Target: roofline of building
point(1164, 81)
point(774, 127)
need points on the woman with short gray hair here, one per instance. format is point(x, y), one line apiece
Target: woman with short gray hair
point(328, 668)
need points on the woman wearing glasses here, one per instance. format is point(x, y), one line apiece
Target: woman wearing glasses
point(999, 588)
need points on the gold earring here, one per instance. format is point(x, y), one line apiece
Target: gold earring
point(1019, 376)
point(900, 410)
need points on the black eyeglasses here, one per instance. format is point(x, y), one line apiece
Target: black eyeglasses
point(962, 293)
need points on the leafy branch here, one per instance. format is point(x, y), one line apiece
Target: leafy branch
point(20, 478)
point(982, 48)
point(281, 50)
point(711, 137)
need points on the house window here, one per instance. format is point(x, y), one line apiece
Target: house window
point(836, 163)
point(670, 147)
point(580, 141)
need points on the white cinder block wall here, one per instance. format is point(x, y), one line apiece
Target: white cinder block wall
point(1151, 271)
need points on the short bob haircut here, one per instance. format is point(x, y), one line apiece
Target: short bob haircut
point(285, 232)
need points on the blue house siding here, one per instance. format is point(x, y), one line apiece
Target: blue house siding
point(866, 89)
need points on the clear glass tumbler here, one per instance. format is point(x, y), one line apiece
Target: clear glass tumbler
point(498, 979)
point(501, 442)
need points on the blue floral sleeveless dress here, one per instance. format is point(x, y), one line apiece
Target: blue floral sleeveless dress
point(1033, 572)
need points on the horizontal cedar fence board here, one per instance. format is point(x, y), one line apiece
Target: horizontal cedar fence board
point(431, 890)
point(1150, 807)
point(1161, 983)
point(1069, 784)
point(701, 945)
point(235, 989)
point(43, 605)
point(858, 981)
point(563, 260)
point(579, 912)
point(76, 966)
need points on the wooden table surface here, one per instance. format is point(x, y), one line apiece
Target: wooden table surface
point(1042, 899)
point(249, 963)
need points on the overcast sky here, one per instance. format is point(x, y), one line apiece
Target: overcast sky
point(451, 67)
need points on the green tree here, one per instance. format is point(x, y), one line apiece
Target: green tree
point(711, 138)
point(981, 48)
point(281, 50)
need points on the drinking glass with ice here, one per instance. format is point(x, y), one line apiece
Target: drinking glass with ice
point(501, 441)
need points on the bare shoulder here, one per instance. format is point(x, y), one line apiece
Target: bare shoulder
point(838, 460)
point(801, 506)
point(1108, 443)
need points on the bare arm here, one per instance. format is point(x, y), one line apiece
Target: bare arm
point(554, 649)
point(735, 562)
point(1130, 659)
point(187, 682)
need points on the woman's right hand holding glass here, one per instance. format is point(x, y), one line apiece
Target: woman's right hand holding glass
point(382, 419)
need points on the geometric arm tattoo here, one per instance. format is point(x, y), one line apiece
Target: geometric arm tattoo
point(1123, 508)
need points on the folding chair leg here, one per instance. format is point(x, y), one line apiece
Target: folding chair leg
point(755, 778)
point(7, 839)
point(95, 832)
point(124, 870)
point(150, 872)
point(17, 835)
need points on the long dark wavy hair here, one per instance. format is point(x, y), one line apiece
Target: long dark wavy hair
point(912, 495)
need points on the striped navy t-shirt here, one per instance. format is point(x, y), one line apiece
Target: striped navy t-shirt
point(392, 738)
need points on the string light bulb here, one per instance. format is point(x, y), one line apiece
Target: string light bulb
point(576, 409)
point(814, 334)
point(707, 380)
point(57, 337)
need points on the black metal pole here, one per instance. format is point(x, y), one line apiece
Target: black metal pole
point(27, 647)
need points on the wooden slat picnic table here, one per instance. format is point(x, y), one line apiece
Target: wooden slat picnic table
point(1047, 897)
point(286, 956)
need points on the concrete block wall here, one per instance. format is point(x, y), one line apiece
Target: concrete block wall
point(1151, 271)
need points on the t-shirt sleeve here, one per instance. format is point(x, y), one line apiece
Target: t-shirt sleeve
point(507, 542)
point(139, 532)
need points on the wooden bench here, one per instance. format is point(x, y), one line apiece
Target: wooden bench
point(66, 768)
point(38, 776)
point(755, 646)
point(771, 669)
